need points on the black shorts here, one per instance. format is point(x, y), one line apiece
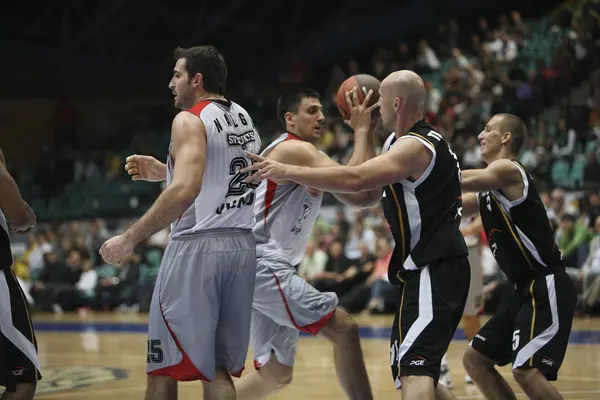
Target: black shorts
point(431, 306)
point(532, 327)
point(19, 339)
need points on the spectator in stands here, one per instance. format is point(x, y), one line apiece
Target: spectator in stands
point(313, 263)
point(472, 156)
point(359, 234)
point(55, 289)
point(370, 294)
point(564, 142)
point(121, 289)
point(589, 276)
point(529, 156)
point(337, 264)
point(560, 207)
point(572, 234)
point(427, 60)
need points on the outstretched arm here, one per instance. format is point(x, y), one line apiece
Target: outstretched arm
point(304, 154)
point(405, 158)
point(497, 175)
point(470, 205)
point(189, 147)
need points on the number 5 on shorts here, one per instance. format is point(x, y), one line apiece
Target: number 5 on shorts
point(515, 339)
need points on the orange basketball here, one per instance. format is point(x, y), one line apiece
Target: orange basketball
point(363, 83)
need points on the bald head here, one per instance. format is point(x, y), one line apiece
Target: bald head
point(407, 85)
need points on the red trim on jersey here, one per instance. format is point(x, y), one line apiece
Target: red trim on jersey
point(313, 328)
point(185, 371)
point(239, 373)
point(271, 185)
point(256, 365)
point(269, 196)
point(196, 109)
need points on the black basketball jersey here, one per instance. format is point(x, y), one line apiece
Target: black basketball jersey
point(519, 232)
point(424, 215)
point(6, 258)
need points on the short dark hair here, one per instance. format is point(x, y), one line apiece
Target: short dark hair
point(205, 60)
point(515, 125)
point(290, 102)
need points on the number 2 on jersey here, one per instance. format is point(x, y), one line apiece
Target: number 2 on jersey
point(237, 186)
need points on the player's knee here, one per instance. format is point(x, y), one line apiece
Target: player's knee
point(473, 360)
point(276, 374)
point(25, 391)
point(343, 326)
point(525, 375)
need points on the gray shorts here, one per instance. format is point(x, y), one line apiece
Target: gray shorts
point(284, 304)
point(202, 306)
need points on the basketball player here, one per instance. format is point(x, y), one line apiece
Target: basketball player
point(422, 203)
point(470, 228)
point(201, 308)
point(19, 365)
point(284, 303)
point(531, 330)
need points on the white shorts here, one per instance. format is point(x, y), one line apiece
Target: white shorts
point(475, 299)
point(284, 305)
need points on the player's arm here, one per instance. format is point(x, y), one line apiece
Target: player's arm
point(499, 174)
point(473, 228)
point(16, 210)
point(470, 205)
point(406, 158)
point(305, 154)
point(189, 149)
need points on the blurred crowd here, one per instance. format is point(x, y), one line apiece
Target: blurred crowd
point(470, 75)
point(60, 269)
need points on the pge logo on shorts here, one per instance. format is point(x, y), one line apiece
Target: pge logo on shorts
point(19, 371)
point(548, 361)
point(417, 361)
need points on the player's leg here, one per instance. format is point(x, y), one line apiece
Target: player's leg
point(237, 269)
point(183, 318)
point(287, 299)
point(431, 305)
point(470, 320)
point(492, 346)
point(542, 330)
point(274, 348)
point(20, 370)
point(343, 332)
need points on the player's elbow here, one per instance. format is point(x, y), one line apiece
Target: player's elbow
point(189, 191)
point(356, 183)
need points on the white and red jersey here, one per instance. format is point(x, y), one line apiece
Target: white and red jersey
point(285, 215)
point(225, 200)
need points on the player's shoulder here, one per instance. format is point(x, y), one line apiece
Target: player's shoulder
point(186, 122)
point(290, 149)
point(506, 165)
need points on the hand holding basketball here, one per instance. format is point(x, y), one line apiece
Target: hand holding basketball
point(360, 86)
point(360, 113)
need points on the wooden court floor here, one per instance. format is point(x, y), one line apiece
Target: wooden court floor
point(103, 356)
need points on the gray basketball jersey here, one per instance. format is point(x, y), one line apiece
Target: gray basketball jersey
point(285, 215)
point(225, 200)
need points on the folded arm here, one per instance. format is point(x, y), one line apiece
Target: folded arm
point(189, 149)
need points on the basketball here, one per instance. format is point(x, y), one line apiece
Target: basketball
point(363, 83)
